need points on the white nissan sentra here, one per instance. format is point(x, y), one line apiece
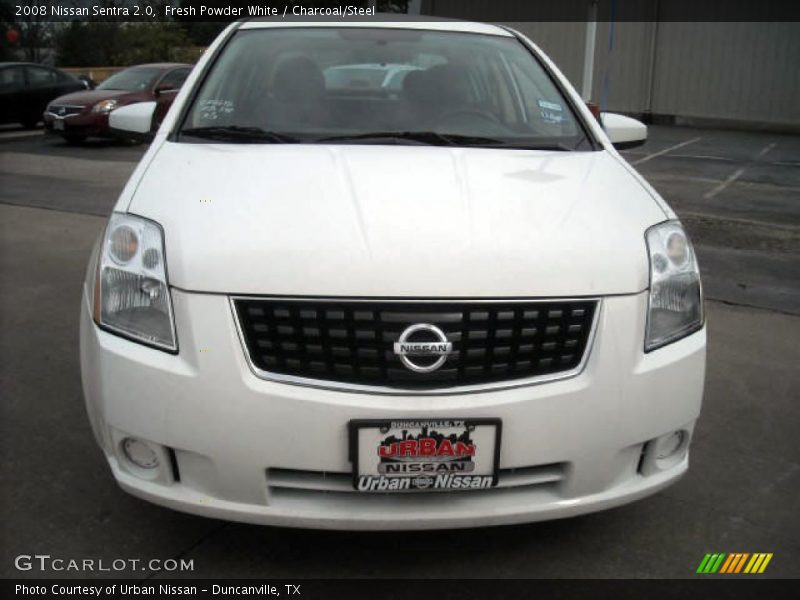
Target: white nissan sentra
point(389, 275)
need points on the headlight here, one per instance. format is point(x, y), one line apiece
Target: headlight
point(104, 106)
point(132, 296)
point(676, 300)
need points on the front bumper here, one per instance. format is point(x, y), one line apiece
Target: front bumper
point(90, 125)
point(242, 448)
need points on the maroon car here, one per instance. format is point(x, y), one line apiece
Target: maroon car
point(83, 114)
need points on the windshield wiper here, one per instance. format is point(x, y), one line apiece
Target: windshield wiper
point(237, 133)
point(434, 138)
point(242, 134)
point(420, 137)
point(551, 146)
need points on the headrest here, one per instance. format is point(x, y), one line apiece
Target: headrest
point(298, 79)
point(448, 84)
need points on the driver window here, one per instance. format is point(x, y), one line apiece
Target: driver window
point(11, 78)
point(38, 75)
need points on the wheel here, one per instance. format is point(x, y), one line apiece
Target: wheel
point(74, 139)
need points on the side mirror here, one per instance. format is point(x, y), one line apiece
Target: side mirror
point(623, 131)
point(133, 121)
point(88, 82)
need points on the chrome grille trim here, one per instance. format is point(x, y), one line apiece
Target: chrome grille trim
point(71, 110)
point(397, 391)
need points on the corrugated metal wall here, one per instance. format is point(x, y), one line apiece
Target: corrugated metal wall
point(748, 72)
point(742, 71)
point(563, 42)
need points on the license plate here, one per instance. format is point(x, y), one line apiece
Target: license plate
point(403, 455)
point(58, 125)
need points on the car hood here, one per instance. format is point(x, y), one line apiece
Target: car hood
point(397, 221)
point(87, 97)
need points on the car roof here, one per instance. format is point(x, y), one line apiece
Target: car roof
point(151, 65)
point(387, 21)
point(159, 65)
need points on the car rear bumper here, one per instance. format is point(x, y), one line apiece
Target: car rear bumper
point(238, 447)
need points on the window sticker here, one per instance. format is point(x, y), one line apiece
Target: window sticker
point(211, 110)
point(551, 111)
point(551, 106)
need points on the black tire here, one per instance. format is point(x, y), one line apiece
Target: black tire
point(30, 122)
point(74, 138)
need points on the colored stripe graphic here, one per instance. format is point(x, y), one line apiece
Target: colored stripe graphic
point(754, 562)
point(764, 564)
point(737, 563)
point(740, 564)
point(711, 563)
point(717, 563)
point(734, 563)
point(703, 563)
point(727, 564)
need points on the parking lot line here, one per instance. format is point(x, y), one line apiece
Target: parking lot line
point(786, 227)
point(774, 163)
point(729, 180)
point(703, 157)
point(13, 135)
point(666, 150)
point(766, 149)
point(738, 173)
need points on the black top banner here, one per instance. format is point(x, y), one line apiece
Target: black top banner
point(365, 10)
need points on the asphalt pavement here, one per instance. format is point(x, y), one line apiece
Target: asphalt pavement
point(738, 194)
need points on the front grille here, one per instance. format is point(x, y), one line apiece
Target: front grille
point(352, 342)
point(68, 109)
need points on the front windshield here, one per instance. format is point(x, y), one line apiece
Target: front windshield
point(381, 85)
point(131, 80)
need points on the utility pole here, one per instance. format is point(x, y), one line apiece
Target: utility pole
point(588, 55)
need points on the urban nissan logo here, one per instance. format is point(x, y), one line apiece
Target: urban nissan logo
point(423, 341)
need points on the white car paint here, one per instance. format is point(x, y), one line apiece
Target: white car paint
point(349, 221)
point(622, 129)
point(560, 223)
point(137, 118)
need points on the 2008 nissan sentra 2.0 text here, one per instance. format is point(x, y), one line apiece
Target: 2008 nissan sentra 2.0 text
point(389, 275)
